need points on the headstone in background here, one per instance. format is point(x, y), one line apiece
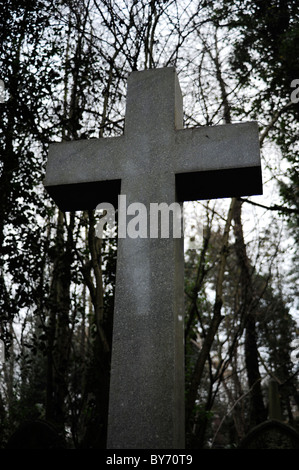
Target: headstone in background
point(274, 401)
point(273, 433)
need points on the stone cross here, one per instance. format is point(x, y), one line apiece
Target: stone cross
point(155, 161)
point(274, 401)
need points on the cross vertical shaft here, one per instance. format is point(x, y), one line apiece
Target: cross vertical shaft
point(147, 374)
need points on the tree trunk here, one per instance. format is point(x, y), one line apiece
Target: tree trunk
point(257, 411)
point(58, 331)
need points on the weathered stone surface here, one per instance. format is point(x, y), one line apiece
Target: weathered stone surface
point(154, 161)
point(274, 401)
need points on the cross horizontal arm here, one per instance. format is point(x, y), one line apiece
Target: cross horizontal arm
point(81, 173)
point(220, 161)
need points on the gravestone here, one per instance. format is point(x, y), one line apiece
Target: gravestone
point(35, 434)
point(274, 401)
point(155, 161)
point(271, 434)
